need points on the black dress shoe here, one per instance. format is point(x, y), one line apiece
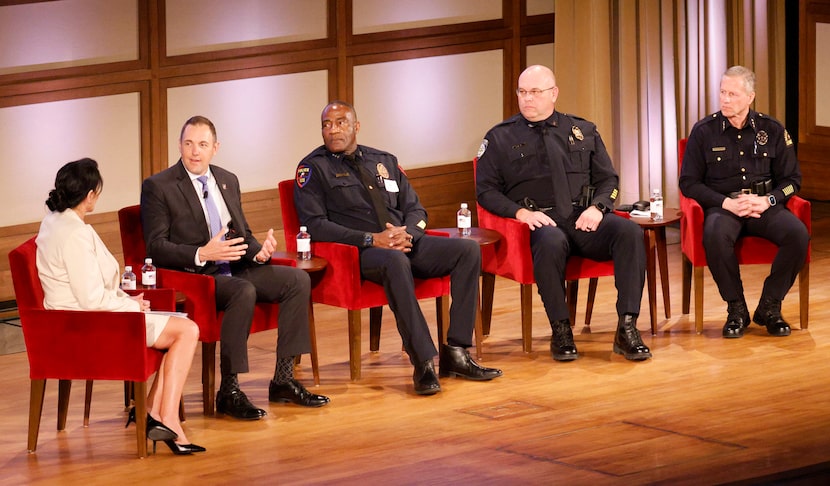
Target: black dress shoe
point(562, 346)
point(155, 429)
point(627, 340)
point(295, 392)
point(234, 403)
point(456, 361)
point(737, 319)
point(426, 383)
point(768, 314)
point(181, 449)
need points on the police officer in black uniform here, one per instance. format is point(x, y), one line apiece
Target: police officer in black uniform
point(357, 195)
point(551, 171)
point(740, 165)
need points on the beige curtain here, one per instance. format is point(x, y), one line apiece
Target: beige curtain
point(646, 70)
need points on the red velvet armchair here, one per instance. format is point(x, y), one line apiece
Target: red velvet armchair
point(200, 302)
point(67, 345)
point(510, 258)
point(750, 250)
point(341, 286)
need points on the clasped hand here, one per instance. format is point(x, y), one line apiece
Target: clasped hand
point(218, 249)
point(144, 304)
point(746, 205)
point(393, 238)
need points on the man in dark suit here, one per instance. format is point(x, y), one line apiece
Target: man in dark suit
point(193, 221)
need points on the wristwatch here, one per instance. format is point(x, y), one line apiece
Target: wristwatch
point(602, 207)
point(368, 240)
point(772, 201)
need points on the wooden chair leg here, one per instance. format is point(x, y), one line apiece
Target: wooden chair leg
point(698, 271)
point(488, 287)
point(686, 279)
point(87, 402)
point(804, 295)
point(141, 417)
point(64, 387)
point(526, 300)
point(354, 344)
point(592, 293)
point(442, 317)
point(312, 331)
point(208, 378)
point(36, 394)
point(375, 321)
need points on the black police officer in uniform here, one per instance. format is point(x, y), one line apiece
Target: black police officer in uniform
point(358, 195)
point(552, 171)
point(740, 165)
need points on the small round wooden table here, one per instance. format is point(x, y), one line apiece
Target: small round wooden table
point(654, 236)
point(314, 265)
point(483, 237)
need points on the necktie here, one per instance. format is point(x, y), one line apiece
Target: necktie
point(215, 221)
point(556, 157)
point(371, 184)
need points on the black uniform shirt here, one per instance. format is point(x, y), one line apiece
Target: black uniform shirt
point(334, 204)
point(721, 159)
point(510, 167)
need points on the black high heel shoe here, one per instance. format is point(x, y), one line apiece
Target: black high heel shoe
point(155, 430)
point(181, 449)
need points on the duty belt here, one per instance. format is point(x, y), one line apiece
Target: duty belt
point(761, 188)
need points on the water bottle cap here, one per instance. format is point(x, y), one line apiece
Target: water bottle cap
point(463, 205)
point(303, 229)
point(148, 260)
point(128, 268)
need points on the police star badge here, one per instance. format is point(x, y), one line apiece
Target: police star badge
point(382, 171)
point(787, 139)
point(577, 133)
point(761, 137)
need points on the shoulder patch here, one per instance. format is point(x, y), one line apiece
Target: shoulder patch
point(303, 174)
point(787, 139)
point(482, 148)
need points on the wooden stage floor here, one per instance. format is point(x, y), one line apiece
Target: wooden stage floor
point(704, 410)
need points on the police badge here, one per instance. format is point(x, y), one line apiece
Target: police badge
point(761, 137)
point(577, 133)
point(382, 171)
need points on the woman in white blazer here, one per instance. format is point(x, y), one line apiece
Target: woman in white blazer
point(79, 273)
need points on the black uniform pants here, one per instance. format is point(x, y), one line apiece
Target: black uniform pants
point(431, 256)
point(721, 229)
point(616, 238)
point(238, 294)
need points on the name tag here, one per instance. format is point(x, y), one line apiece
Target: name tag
point(718, 149)
point(391, 185)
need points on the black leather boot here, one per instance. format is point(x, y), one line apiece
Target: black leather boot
point(456, 361)
point(562, 346)
point(426, 383)
point(737, 319)
point(627, 340)
point(768, 314)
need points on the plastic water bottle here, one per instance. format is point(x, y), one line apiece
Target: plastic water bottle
point(656, 205)
point(148, 274)
point(303, 244)
point(128, 278)
point(465, 220)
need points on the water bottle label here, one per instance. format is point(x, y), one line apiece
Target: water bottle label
point(148, 278)
point(465, 221)
point(127, 283)
point(303, 244)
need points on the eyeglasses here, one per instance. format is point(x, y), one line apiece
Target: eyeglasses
point(521, 93)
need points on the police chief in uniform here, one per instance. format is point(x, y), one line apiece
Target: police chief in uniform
point(357, 195)
point(551, 171)
point(740, 165)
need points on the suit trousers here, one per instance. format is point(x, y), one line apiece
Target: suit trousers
point(721, 229)
point(616, 238)
point(431, 256)
point(237, 296)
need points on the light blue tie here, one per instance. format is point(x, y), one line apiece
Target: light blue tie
point(215, 220)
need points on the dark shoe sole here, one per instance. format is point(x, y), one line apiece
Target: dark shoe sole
point(564, 357)
point(455, 374)
point(431, 391)
point(632, 356)
point(733, 336)
point(221, 412)
point(288, 400)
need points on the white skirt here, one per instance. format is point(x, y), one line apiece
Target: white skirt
point(155, 324)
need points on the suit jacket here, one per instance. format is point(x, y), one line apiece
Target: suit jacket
point(174, 222)
point(76, 269)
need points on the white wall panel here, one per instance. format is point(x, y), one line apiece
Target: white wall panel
point(209, 25)
point(36, 140)
point(540, 54)
point(67, 33)
point(264, 125)
point(383, 15)
point(429, 111)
